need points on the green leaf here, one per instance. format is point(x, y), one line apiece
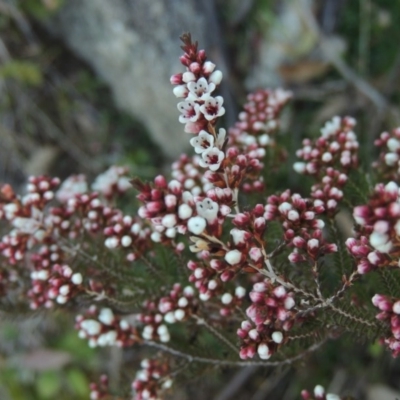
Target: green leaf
point(48, 384)
point(78, 382)
point(23, 71)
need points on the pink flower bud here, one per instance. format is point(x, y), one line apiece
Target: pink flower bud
point(217, 265)
point(176, 79)
point(195, 67)
point(227, 276)
point(256, 297)
point(299, 242)
point(382, 302)
point(208, 67)
point(241, 220)
point(259, 224)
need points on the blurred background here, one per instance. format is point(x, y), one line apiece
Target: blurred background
point(85, 84)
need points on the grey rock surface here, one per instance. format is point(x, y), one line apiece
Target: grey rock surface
point(134, 46)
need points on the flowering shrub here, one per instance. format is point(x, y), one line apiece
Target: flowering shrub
point(256, 281)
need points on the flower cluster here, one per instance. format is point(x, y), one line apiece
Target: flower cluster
point(25, 216)
point(319, 394)
point(388, 164)
point(100, 391)
point(272, 314)
point(151, 380)
point(195, 256)
point(329, 159)
point(129, 234)
point(103, 328)
point(254, 132)
point(199, 110)
point(52, 282)
point(259, 118)
point(176, 306)
point(379, 229)
point(172, 210)
point(390, 313)
point(302, 228)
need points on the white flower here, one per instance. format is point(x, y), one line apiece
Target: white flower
point(199, 244)
point(393, 145)
point(196, 225)
point(190, 111)
point(200, 89)
point(331, 127)
point(184, 211)
point(226, 298)
point(221, 138)
point(76, 279)
point(91, 326)
point(106, 181)
point(202, 142)
point(277, 337)
point(106, 316)
point(238, 235)
point(169, 220)
point(26, 225)
point(240, 292)
point(188, 76)
point(319, 391)
point(207, 209)
point(380, 241)
point(212, 158)
point(391, 159)
point(212, 108)
point(264, 139)
point(233, 257)
point(75, 184)
point(216, 77)
point(285, 207)
point(263, 351)
point(180, 91)
point(331, 396)
point(126, 241)
point(208, 67)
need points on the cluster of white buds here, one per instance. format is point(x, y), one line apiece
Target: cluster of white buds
point(329, 159)
point(57, 284)
point(25, 216)
point(187, 171)
point(230, 302)
point(389, 160)
point(113, 181)
point(104, 328)
point(303, 230)
point(272, 314)
point(151, 380)
point(259, 119)
point(70, 187)
point(390, 313)
point(177, 306)
point(379, 229)
point(130, 234)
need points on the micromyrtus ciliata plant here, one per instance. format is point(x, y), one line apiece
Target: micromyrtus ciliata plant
point(202, 274)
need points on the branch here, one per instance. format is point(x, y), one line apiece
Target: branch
point(231, 363)
point(332, 56)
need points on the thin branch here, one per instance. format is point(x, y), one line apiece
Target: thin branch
point(231, 363)
point(332, 56)
point(202, 321)
point(352, 317)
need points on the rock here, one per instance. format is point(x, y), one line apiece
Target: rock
point(134, 46)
